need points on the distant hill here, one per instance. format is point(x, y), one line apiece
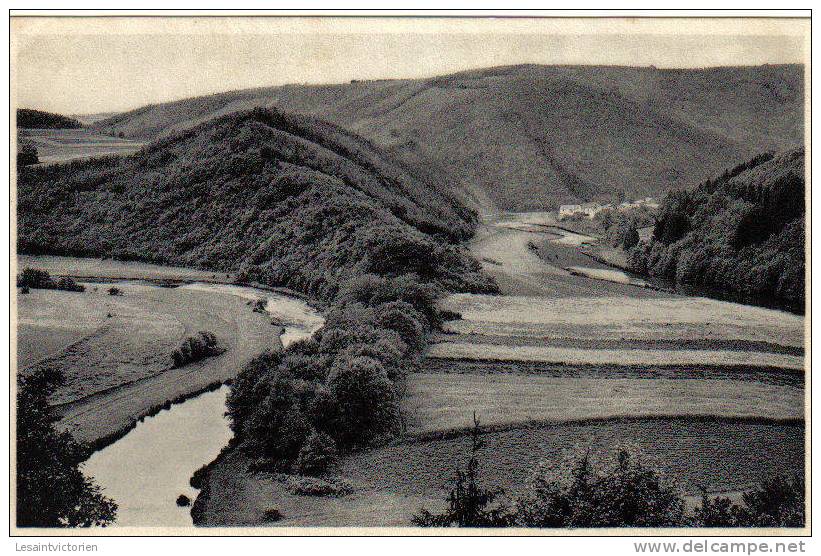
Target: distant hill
point(37, 119)
point(741, 233)
point(284, 200)
point(532, 137)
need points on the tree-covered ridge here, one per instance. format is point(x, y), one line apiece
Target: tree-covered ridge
point(285, 200)
point(37, 119)
point(740, 233)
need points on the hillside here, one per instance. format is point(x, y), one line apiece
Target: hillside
point(532, 137)
point(284, 200)
point(37, 119)
point(740, 233)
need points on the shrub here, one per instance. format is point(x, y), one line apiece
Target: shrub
point(195, 348)
point(469, 504)
point(27, 154)
point(114, 291)
point(35, 278)
point(317, 455)
point(311, 486)
point(622, 492)
point(271, 515)
point(183, 500)
point(68, 284)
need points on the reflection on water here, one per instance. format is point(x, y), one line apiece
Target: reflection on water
point(147, 469)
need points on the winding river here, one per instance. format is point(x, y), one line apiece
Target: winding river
point(148, 468)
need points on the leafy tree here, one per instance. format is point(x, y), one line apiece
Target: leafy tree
point(51, 489)
point(368, 404)
point(27, 154)
point(469, 504)
point(316, 455)
point(622, 493)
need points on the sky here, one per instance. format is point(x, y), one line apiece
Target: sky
point(92, 65)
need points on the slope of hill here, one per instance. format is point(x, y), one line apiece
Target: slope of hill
point(531, 137)
point(285, 200)
point(37, 119)
point(741, 233)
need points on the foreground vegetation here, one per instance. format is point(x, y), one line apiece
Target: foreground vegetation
point(583, 492)
point(51, 489)
point(740, 233)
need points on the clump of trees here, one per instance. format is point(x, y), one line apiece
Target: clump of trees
point(195, 348)
point(741, 233)
point(38, 119)
point(582, 491)
point(51, 488)
point(32, 278)
point(296, 411)
point(27, 154)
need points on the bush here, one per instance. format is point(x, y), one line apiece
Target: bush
point(311, 486)
point(27, 154)
point(195, 348)
point(69, 285)
point(469, 504)
point(776, 502)
point(271, 515)
point(317, 455)
point(622, 492)
point(183, 500)
point(40, 279)
point(36, 279)
point(114, 291)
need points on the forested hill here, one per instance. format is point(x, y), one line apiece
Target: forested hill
point(741, 233)
point(286, 200)
point(531, 137)
point(37, 119)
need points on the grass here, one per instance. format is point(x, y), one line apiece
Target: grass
point(117, 369)
point(719, 454)
point(622, 357)
point(441, 402)
point(111, 269)
point(622, 317)
point(62, 145)
point(394, 482)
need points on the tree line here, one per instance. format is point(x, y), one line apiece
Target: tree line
point(741, 233)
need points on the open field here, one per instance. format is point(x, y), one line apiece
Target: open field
point(61, 145)
point(606, 316)
point(122, 369)
point(441, 402)
point(115, 270)
point(394, 482)
point(118, 368)
point(620, 357)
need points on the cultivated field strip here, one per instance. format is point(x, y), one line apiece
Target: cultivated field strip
point(442, 402)
point(731, 454)
point(627, 357)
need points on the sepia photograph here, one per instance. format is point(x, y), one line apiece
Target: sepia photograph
point(319, 274)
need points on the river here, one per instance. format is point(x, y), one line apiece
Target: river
point(148, 468)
